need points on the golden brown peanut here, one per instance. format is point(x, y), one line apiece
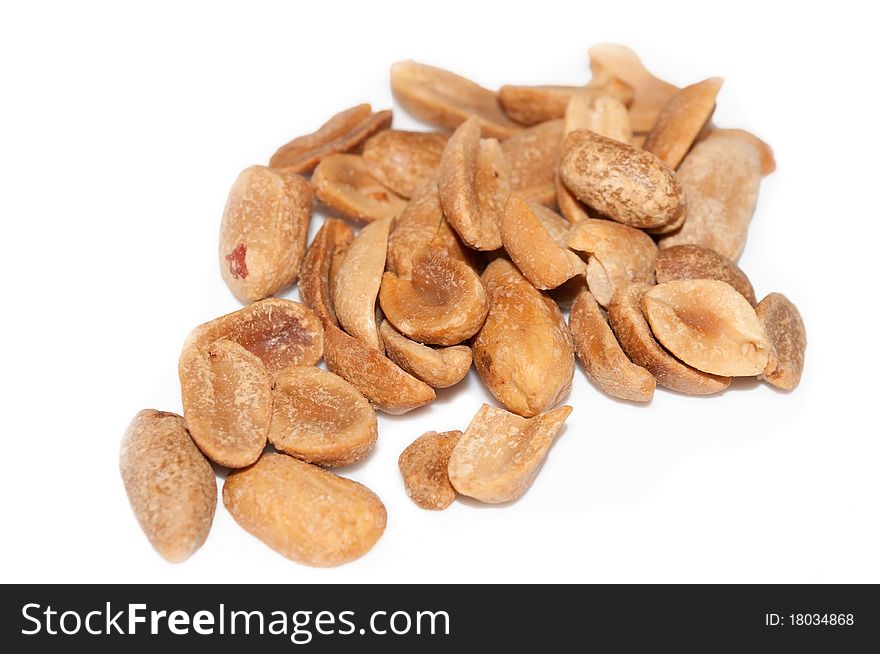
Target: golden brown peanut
point(523, 352)
point(628, 185)
point(280, 332)
point(720, 176)
point(601, 356)
point(638, 342)
point(319, 417)
point(650, 94)
point(303, 512)
point(530, 105)
point(443, 303)
point(332, 240)
point(358, 280)
point(227, 402)
point(695, 262)
point(498, 456)
point(619, 255)
point(708, 325)
point(263, 232)
point(533, 156)
point(768, 161)
point(682, 120)
point(437, 367)
point(474, 182)
point(342, 133)
point(170, 485)
point(441, 98)
point(537, 252)
point(343, 183)
point(404, 161)
point(424, 466)
point(379, 379)
point(422, 223)
point(785, 329)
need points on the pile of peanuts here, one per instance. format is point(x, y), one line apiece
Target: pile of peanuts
point(618, 202)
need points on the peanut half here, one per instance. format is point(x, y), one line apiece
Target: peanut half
point(536, 104)
point(344, 184)
point(404, 161)
point(303, 512)
point(227, 402)
point(695, 262)
point(523, 352)
point(379, 379)
point(785, 329)
point(637, 341)
point(319, 417)
point(498, 456)
point(263, 232)
point(602, 357)
point(474, 182)
point(441, 98)
point(623, 182)
point(533, 156)
point(708, 325)
point(170, 484)
point(437, 367)
point(342, 133)
point(280, 332)
point(425, 469)
point(331, 241)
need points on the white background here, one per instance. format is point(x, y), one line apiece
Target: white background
point(121, 131)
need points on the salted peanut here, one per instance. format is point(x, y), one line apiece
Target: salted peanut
point(682, 120)
point(637, 341)
point(344, 184)
point(523, 352)
point(280, 332)
point(695, 262)
point(625, 183)
point(321, 418)
point(263, 232)
point(650, 94)
point(437, 367)
point(530, 105)
point(535, 250)
point(342, 133)
point(332, 240)
point(422, 223)
point(768, 161)
point(709, 325)
point(227, 402)
point(602, 357)
point(404, 161)
point(474, 182)
point(377, 377)
point(619, 255)
point(441, 98)
point(785, 329)
point(303, 512)
point(720, 176)
point(533, 156)
point(170, 485)
point(424, 466)
point(498, 456)
point(358, 280)
point(443, 303)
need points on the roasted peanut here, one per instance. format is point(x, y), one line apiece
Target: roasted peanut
point(404, 161)
point(437, 367)
point(343, 183)
point(785, 329)
point(498, 456)
point(342, 133)
point(708, 325)
point(425, 469)
point(303, 512)
point(765, 152)
point(533, 156)
point(321, 418)
point(263, 232)
point(536, 104)
point(523, 352)
point(331, 241)
point(602, 357)
point(170, 485)
point(695, 262)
